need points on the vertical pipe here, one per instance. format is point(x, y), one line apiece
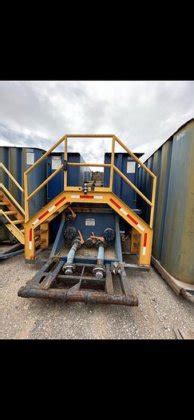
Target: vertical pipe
point(100, 256)
point(68, 267)
point(98, 270)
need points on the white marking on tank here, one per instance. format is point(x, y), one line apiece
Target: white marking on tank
point(30, 245)
point(75, 196)
point(98, 197)
point(144, 250)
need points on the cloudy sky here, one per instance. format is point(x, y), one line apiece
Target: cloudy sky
point(142, 113)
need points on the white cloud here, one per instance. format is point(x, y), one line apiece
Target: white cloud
point(141, 113)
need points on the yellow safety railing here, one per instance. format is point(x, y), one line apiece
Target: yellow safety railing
point(2, 186)
point(111, 165)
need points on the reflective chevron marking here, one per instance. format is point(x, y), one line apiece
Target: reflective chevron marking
point(50, 210)
point(95, 197)
point(60, 201)
point(132, 219)
point(127, 214)
point(30, 238)
point(144, 243)
point(115, 203)
point(86, 196)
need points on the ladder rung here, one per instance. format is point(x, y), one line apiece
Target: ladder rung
point(10, 212)
point(3, 203)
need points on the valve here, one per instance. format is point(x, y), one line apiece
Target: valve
point(85, 188)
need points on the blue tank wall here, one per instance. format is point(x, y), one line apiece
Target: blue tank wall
point(120, 187)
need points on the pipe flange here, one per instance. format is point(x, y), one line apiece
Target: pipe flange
point(69, 268)
point(98, 272)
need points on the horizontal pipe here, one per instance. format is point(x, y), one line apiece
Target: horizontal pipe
point(79, 296)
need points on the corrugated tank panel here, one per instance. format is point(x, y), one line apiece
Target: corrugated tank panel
point(177, 254)
point(162, 171)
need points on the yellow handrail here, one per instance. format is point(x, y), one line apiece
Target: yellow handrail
point(12, 198)
point(2, 166)
point(11, 177)
point(111, 165)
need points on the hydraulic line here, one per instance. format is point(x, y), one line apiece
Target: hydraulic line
point(99, 269)
point(69, 266)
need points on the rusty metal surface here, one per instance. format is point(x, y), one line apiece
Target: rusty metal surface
point(79, 296)
point(81, 287)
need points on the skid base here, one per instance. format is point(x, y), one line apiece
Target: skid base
point(81, 286)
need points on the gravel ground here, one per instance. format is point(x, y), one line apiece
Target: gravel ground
point(158, 313)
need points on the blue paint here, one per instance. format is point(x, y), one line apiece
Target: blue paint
point(102, 221)
point(120, 187)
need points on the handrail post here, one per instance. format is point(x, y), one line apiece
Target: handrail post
point(112, 163)
point(65, 158)
point(26, 204)
point(153, 201)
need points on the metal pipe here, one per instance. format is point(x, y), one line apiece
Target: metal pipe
point(100, 256)
point(78, 296)
point(99, 270)
point(68, 267)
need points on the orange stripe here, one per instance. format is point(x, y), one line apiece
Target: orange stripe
point(60, 201)
point(132, 219)
point(43, 214)
point(115, 203)
point(30, 235)
point(86, 196)
point(145, 239)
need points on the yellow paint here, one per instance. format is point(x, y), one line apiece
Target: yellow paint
point(102, 195)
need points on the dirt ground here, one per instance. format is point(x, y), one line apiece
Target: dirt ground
point(158, 313)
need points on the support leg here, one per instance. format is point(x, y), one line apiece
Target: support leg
point(29, 243)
